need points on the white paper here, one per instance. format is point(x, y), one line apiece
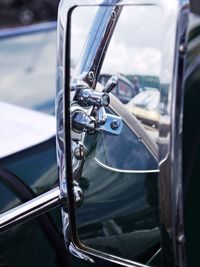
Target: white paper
point(22, 128)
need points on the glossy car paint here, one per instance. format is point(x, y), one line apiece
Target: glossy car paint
point(33, 171)
point(191, 144)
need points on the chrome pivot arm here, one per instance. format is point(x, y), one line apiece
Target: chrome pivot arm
point(89, 113)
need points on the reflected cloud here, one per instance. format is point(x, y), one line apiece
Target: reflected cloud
point(133, 60)
point(135, 49)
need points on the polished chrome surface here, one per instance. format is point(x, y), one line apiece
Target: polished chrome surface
point(123, 171)
point(170, 133)
point(30, 209)
point(78, 193)
point(74, 251)
point(170, 149)
point(106, 19)
point(88, 97)
point(111, 84)
point(81, 121)
point(88, 112)
point(101, 116)
point(113, 124)
point(78, 149)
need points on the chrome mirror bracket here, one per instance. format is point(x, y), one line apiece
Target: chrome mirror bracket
point(30, 209)
point(88, 112)
point(79, 254)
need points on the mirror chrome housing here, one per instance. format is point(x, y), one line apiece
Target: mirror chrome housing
point(170, 180)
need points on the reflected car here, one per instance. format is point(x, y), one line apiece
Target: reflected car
point(124, 90)
point(145, 106)
point(148, 110)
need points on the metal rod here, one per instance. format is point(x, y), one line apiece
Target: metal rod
point(30, 209)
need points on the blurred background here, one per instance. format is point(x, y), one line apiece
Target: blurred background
point(15, 13)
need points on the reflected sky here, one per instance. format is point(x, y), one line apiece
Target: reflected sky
point(135, 46)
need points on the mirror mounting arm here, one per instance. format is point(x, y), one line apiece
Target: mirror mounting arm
point(88, 109)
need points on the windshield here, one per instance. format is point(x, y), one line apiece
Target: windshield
point(27, 72)
point(27, 76)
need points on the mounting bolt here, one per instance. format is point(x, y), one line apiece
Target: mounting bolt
point(114, 124)
point(182, 48)
point(113, 14)
point(91, 76)
point(79, 152)
point(181, 239)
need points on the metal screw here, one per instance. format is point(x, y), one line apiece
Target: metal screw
point(79, 152)
point(181, 239)
point(91, 76)
point(113, 14)
point(114, 124)
point(182, 48)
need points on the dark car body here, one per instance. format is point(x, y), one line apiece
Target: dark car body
point(20, 12)
point(33, 171)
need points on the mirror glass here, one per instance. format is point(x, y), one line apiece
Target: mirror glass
point(115, 111)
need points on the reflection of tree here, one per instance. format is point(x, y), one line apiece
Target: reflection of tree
point(146, 80)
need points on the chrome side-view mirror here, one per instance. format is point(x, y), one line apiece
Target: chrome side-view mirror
point(115, 126)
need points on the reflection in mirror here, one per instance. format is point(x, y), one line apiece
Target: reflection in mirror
point(115, 111)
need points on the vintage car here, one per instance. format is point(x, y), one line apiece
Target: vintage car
point(87, 185)
point(145, 106)
point(124, 89)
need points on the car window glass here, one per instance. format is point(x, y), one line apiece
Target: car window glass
point(28, 73)
point(27, 90)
